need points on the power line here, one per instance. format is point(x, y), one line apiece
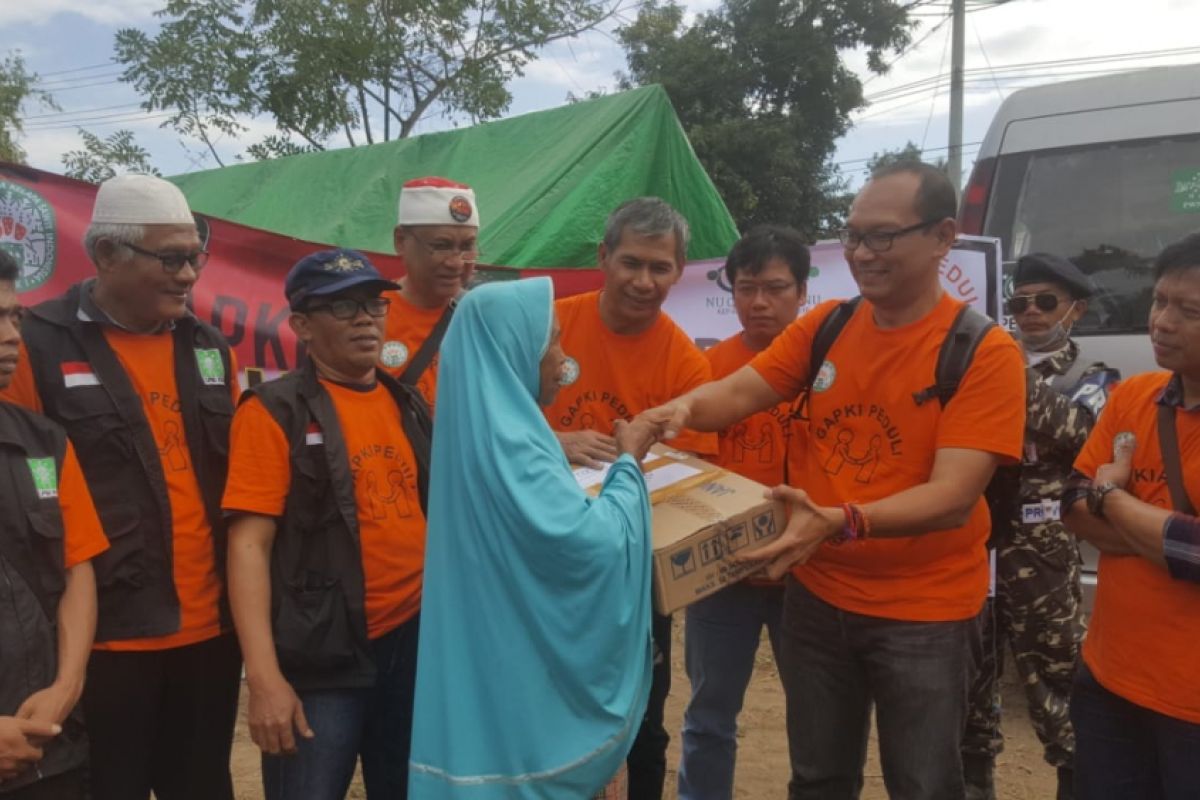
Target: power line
point(52, 86)
point(913, 46)
point(88, 68)
point(936, 90)
point(125, 119)
point(923, 151)
point(1080, 61)
point(58, 115)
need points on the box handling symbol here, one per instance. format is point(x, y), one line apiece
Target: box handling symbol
point(764, 525)
point(737, 538)
point(682, 563)
point(712, 549)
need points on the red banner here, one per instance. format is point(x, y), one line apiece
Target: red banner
point(43, 218)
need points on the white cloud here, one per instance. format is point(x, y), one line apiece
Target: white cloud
point(107, 12)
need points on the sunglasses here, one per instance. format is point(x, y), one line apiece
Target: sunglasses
point(1045, 301)
point(347, 309)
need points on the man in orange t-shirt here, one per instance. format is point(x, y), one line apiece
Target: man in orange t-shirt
point(624, 356)
point(885, 539)
point(327, 489)
point(49, 536)
point(437, 232)
point(1136, 701)
point(146, 392)
point(768, 270)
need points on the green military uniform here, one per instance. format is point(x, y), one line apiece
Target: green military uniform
point(1038, 604)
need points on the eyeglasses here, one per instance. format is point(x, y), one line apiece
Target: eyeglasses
point(879, 241)
point(347, 309)
point(749, 291)
point(173, 262)
point(1045, 301)
point(445, 250)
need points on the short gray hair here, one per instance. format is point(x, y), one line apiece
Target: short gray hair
point(117, 233)
point(648, 216)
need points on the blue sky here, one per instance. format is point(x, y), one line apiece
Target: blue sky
point(68, 41)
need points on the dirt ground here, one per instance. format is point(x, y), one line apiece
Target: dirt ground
point(762, 768)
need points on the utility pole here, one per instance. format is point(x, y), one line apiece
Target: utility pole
point(957, 46)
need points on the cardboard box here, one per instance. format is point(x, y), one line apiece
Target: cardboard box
point(696, 531)
point(701, 514)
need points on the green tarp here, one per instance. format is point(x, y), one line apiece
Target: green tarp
point(544, 183)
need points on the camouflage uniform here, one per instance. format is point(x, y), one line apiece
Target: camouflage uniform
point(1038, 605)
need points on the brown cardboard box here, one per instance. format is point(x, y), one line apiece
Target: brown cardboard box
point(696, 530)
point(700, 515)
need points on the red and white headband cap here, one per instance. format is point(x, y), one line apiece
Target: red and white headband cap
point(437, 201)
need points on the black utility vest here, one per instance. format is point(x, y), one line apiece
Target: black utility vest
point(120, 457)
point(32, 577)
point(318, 594)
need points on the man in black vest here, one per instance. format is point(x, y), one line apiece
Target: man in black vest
point(146, 393)
point(327, 482)
point(48, 535)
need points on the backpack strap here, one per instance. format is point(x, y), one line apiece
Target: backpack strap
point(955, 356)
point(827, 333)
point(421, 361)
point(1168, 442)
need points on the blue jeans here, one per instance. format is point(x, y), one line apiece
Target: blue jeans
point(1125, 751)
point(835, 663)
point(721, 637)
point(374, 723)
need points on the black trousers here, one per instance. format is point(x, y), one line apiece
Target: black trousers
point(647, 760)
point(163, 720)
point(70, 785)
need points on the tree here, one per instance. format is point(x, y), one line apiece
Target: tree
point(370, 69)
point(101, 159)
point(839, 201)
point(763, 94)
point(16, 87)
point(910, 152)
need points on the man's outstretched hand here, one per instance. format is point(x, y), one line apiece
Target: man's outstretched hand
point(807, 527)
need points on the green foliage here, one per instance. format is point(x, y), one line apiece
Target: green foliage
point(16, 88)
point(101, 159)
point(910, 152)
point(838, 201)
point(370, 69)
point(763, 93)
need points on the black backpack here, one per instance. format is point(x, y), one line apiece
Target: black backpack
point(954, 358)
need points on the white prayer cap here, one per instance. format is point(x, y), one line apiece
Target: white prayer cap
point(141, 200)
point(437, 201)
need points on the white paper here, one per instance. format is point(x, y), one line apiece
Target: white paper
point(669, 475)
point(587, 477)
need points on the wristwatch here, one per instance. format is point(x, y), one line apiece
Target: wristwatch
point(1096, 495)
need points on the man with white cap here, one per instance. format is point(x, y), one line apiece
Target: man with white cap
point(437, 234)
point(146, 393)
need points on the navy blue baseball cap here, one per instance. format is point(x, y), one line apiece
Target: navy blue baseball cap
point(329, 272)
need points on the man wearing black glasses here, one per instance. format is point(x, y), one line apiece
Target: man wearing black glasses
point(327, 487)
point(437, 234)
point(884, 546)
point(146, 392)
point(1037, 607)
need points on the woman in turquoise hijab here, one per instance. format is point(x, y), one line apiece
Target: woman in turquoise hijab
point(534, 662)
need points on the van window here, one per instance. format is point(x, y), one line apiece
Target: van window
point(1110, 208)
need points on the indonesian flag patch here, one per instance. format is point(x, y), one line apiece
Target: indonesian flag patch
point(78, 373)
point(313, 435)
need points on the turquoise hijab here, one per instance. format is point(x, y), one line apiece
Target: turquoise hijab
point(534, 662)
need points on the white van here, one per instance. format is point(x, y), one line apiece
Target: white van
point(1104, 171)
